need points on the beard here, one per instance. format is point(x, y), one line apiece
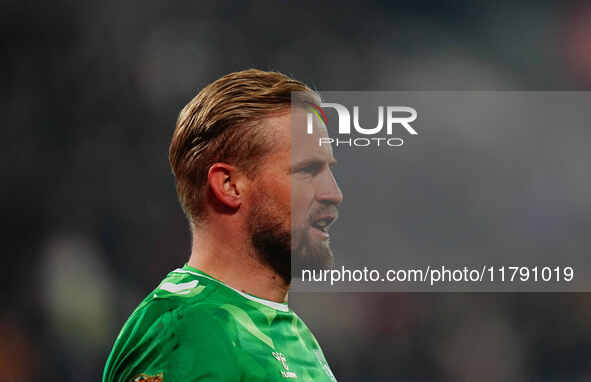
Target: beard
point(275, 244)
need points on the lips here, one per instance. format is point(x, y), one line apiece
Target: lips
point(322, 223)
point(322, 220)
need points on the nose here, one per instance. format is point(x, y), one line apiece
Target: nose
point(328, 191)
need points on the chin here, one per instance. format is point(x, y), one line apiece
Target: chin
point(312, 255)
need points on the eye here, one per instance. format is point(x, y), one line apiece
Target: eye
point(312, 168)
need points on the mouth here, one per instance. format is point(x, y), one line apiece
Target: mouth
point(321, 224)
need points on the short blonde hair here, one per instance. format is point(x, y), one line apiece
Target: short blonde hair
point(219, 125)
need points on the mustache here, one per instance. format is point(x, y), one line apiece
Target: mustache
point(321, 211)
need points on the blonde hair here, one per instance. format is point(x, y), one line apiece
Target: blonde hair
point(220, 125)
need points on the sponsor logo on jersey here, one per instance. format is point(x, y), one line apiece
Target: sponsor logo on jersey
point(285, 373)
point(148, 378)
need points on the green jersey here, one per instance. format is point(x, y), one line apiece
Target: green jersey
point(195, 328)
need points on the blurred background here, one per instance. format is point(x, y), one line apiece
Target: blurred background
point(90, 218)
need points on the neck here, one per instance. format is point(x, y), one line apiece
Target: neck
point(232, 260)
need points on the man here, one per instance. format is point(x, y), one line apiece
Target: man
point(256, 187)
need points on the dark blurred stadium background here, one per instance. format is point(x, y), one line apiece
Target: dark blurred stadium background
point(90, 218)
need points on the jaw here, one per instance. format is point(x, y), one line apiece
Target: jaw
point(309, 251)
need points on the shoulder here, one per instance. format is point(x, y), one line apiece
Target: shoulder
point(180, 323)
point(186, 303)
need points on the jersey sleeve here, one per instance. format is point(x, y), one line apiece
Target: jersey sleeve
point(181, 346)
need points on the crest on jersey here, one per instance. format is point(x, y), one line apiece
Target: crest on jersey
point(148, 378)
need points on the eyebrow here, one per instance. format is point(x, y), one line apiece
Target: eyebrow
point(311, 161)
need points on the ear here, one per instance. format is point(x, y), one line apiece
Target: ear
point(225, 182)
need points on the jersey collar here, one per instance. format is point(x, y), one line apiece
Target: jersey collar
point(271, 304)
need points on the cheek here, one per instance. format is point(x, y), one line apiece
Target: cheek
point(279, 194)
point(282, 194)
point(300, 206)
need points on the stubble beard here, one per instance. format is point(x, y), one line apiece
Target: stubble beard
point(275, 246)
